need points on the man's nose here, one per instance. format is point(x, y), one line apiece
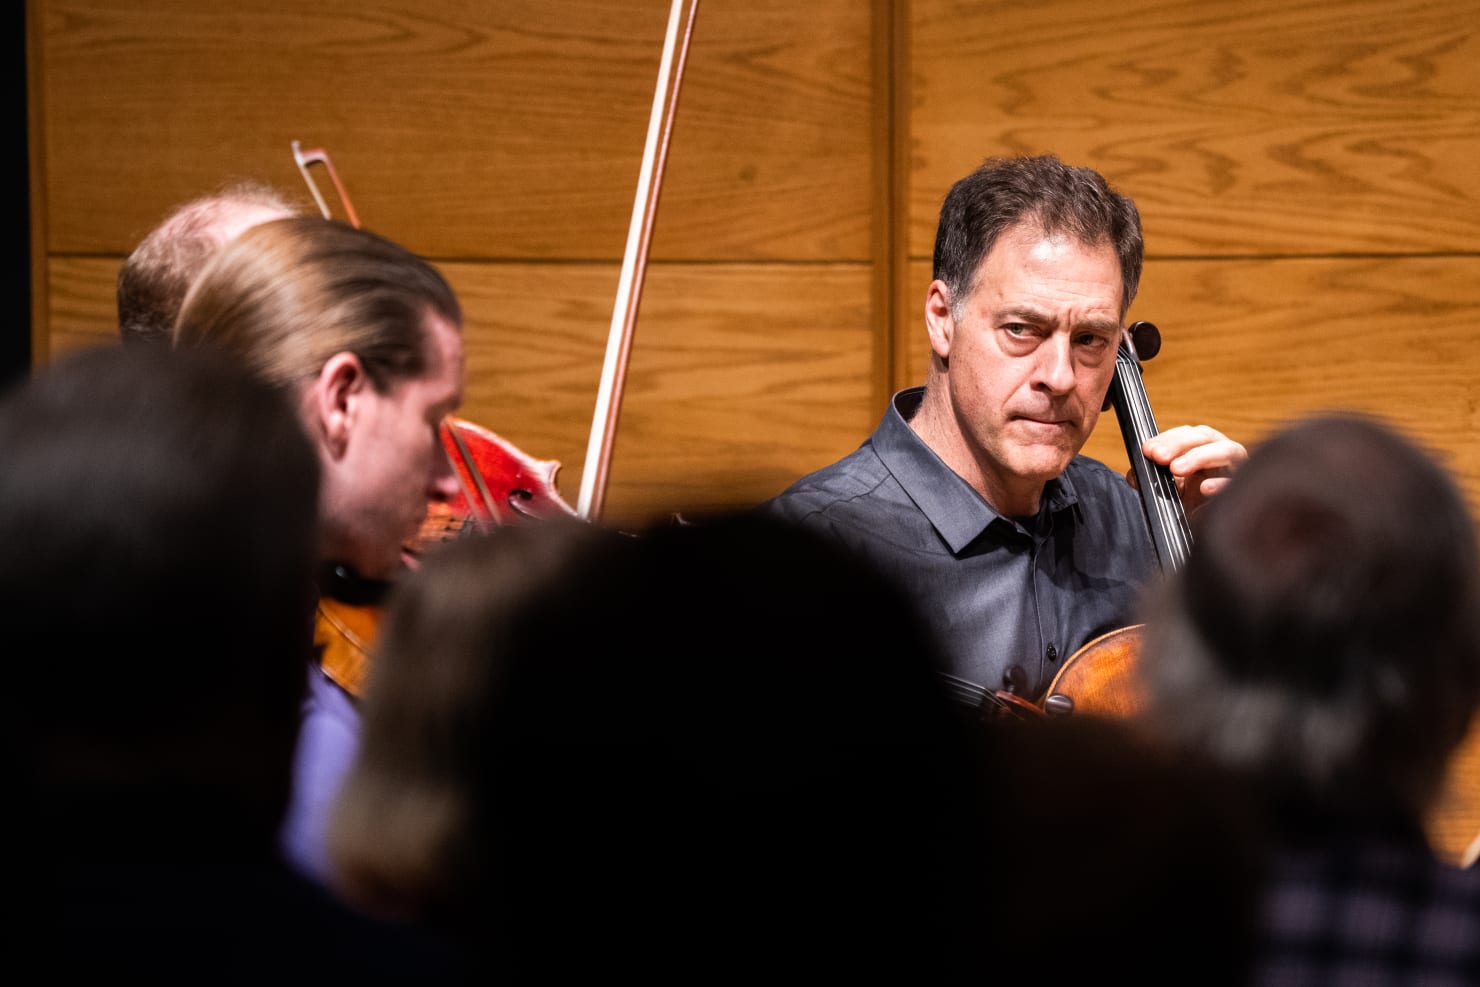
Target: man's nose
point(442, 483)
point(1055, 370)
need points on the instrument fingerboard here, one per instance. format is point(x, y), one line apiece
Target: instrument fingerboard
point(1165, 515)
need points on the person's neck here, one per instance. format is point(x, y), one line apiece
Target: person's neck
point(935, 424)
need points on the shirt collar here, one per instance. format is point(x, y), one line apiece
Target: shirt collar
point(952, 506)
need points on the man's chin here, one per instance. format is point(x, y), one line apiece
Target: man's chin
point(1043, 464)
point(387, 565)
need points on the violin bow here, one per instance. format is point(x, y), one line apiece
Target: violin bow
point(634, 265)
point(305, 158)
point(634, 261)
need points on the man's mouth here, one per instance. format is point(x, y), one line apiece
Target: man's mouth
point(1046, 421)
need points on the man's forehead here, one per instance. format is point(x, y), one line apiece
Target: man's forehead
point(1029, 234)
point(1027, 252)
point(446, 360)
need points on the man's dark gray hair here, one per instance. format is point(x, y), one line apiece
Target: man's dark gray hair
point(1058, 199)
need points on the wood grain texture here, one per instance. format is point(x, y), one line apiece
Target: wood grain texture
point(1240, 128)
point(468, 130)
point(83, 299)
point(503, 141)
point(742, 377)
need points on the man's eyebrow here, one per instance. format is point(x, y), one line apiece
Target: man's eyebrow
point(1022, 313)
point(1108, 326)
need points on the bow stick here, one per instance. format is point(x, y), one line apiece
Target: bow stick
point(634, 266)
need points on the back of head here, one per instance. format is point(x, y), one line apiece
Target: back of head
point(155, 277)
point(286, 295)
point(1325, 634)
point(157, 512)
point(732, 716)
point(1057, 198)
point(404, 837)
point(1099, 835)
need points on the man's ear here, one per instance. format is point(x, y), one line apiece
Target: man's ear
point(938, 320)
point(332, 402)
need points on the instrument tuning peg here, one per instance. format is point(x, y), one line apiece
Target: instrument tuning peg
point(1146, 339)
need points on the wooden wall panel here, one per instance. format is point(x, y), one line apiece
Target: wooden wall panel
point(503, 141)
point(1253, 344)
point(84, 302)
point(735, 388)
point(468, 130)
point(1265, 127)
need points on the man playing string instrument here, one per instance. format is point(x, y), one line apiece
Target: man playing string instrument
point(972, 492)
point(366, 339)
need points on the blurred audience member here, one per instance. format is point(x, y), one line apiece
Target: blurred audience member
point(158, 516)
point(704, 751)
point(1323, 644)
point(1114, 859)
point(722, 750)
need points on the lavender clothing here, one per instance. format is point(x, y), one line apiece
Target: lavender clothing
point(1357, 907)
point(328, 741)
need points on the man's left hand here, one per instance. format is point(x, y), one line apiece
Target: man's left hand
point(1201, 460)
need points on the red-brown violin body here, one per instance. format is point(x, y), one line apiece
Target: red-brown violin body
point(498, 484)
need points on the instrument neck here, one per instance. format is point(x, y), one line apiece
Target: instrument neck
point(1165, 515)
